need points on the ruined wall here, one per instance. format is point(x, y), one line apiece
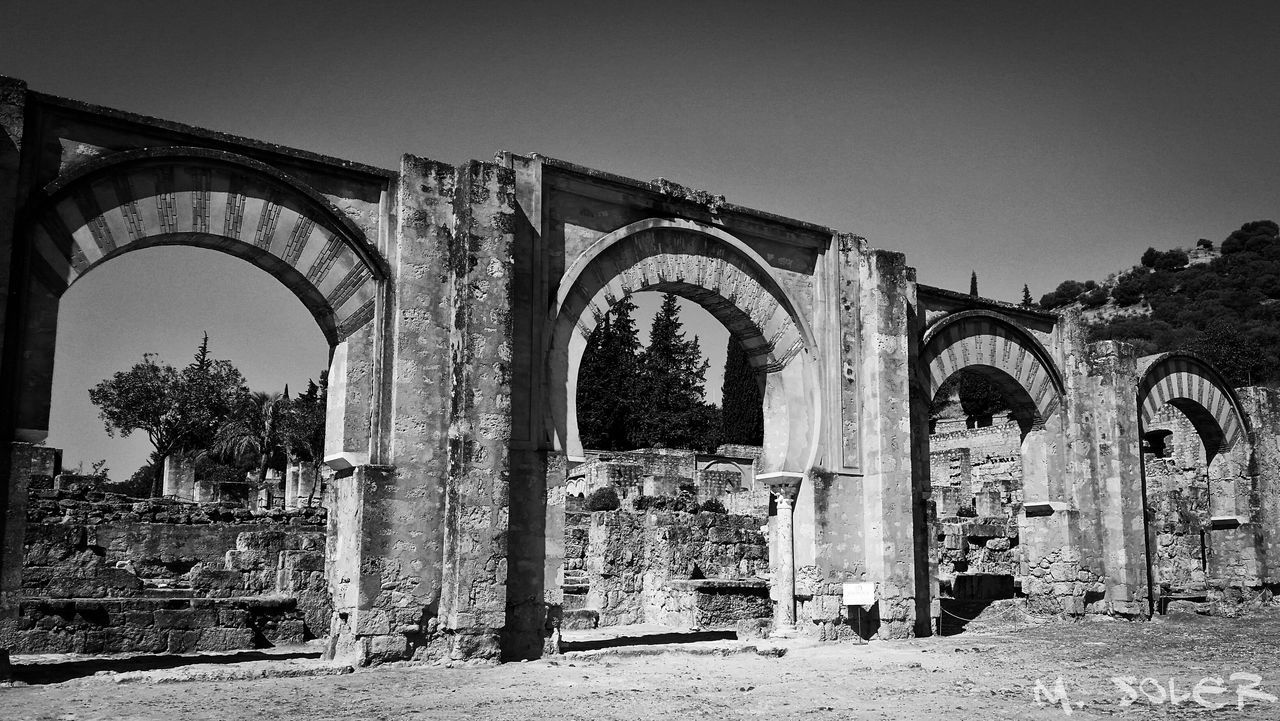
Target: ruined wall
point(104, 573)
point(633, 560)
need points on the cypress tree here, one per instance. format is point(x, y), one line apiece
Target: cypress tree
point(671, 410)
point(1027, 301)
point(973, 283)
point(741, 404)
point(608, 380)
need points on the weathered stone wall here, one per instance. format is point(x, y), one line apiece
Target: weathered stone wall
point(104, 578)
point(153, 625)
point(633, 559)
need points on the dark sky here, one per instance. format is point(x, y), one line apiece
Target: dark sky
point(1030, 141)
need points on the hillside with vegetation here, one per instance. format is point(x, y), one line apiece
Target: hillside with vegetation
point(1223, 303)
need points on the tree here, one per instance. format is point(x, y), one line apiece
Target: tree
point(973, 283)
point(741, 401)
point(671, 412)
point(1128, 290)
point(1258, 233)
point(178, 410)
point(1027, 300)
point(978, 396)
point(1172, 260)
point(302, 427)
point(1149, 257)
point(253, 434)
point(1239, 357)
point(609, 380)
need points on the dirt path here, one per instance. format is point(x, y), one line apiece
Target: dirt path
point(989, 675)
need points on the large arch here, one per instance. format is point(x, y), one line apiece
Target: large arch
point(986, 342)
point(218, 200)
point(197, 197)
point(1193, 386)
point(1013, 360)
point(725, 276)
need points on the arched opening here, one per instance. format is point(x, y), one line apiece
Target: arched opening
point(154, 201)
point(1197, 484)
point(707, 267)
point(190, 197)
point(994, 400)
point(137, 305)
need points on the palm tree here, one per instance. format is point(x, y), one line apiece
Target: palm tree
point(254, 432)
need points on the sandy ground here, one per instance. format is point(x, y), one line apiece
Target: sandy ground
point(990, 674)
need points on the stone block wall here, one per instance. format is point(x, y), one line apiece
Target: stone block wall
point(636, 563)
point(105, 573)
point(153, 625)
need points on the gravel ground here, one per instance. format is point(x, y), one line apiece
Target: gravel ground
point(981, 674)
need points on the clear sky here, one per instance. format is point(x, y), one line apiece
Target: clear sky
point(1030, 141)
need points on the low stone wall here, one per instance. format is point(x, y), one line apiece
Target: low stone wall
point(79, 504)
point(152, 625)
point(636, 563)
point(96, 566)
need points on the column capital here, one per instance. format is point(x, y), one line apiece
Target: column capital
point(782, 484)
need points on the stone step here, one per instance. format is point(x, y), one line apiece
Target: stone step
point(574, 601)
point(580, 618)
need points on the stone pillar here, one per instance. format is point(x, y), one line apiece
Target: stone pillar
point(386, 533)
point(1262, 405)
point(179, 478)
point(473, 599)
point(300, 486)
point(888, 516)
point(13, 100)
point(784, 573)
point(206, 490)
point(27, 460)
point(1117, 473)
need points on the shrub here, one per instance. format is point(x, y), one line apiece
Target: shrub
point(1129, 290)
point(1172, 260)
point(1094, 298)
point(603, 499)
point(713, 506)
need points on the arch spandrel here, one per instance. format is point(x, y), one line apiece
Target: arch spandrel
point(213, 200)
point(986, 342)
point(1195, 387)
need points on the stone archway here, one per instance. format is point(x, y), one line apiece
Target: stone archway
point(723, 275)
point(1008, 356)
point(196, 197)
point(1013, 360)
point(1208, 531)
point(1193, 386)
point(731, 281)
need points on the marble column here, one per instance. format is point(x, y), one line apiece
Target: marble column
point(784, 574)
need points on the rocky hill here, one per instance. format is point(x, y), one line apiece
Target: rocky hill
point(1223, 303)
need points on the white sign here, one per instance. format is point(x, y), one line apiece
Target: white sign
point(859, 594)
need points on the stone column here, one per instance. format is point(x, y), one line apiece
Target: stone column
point(302, 482)
point(784, 573)
point(473, 595)
point(291, 485)
point(1117, 473)
point(889, 484)
point(26, 460)
point(179, 478)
